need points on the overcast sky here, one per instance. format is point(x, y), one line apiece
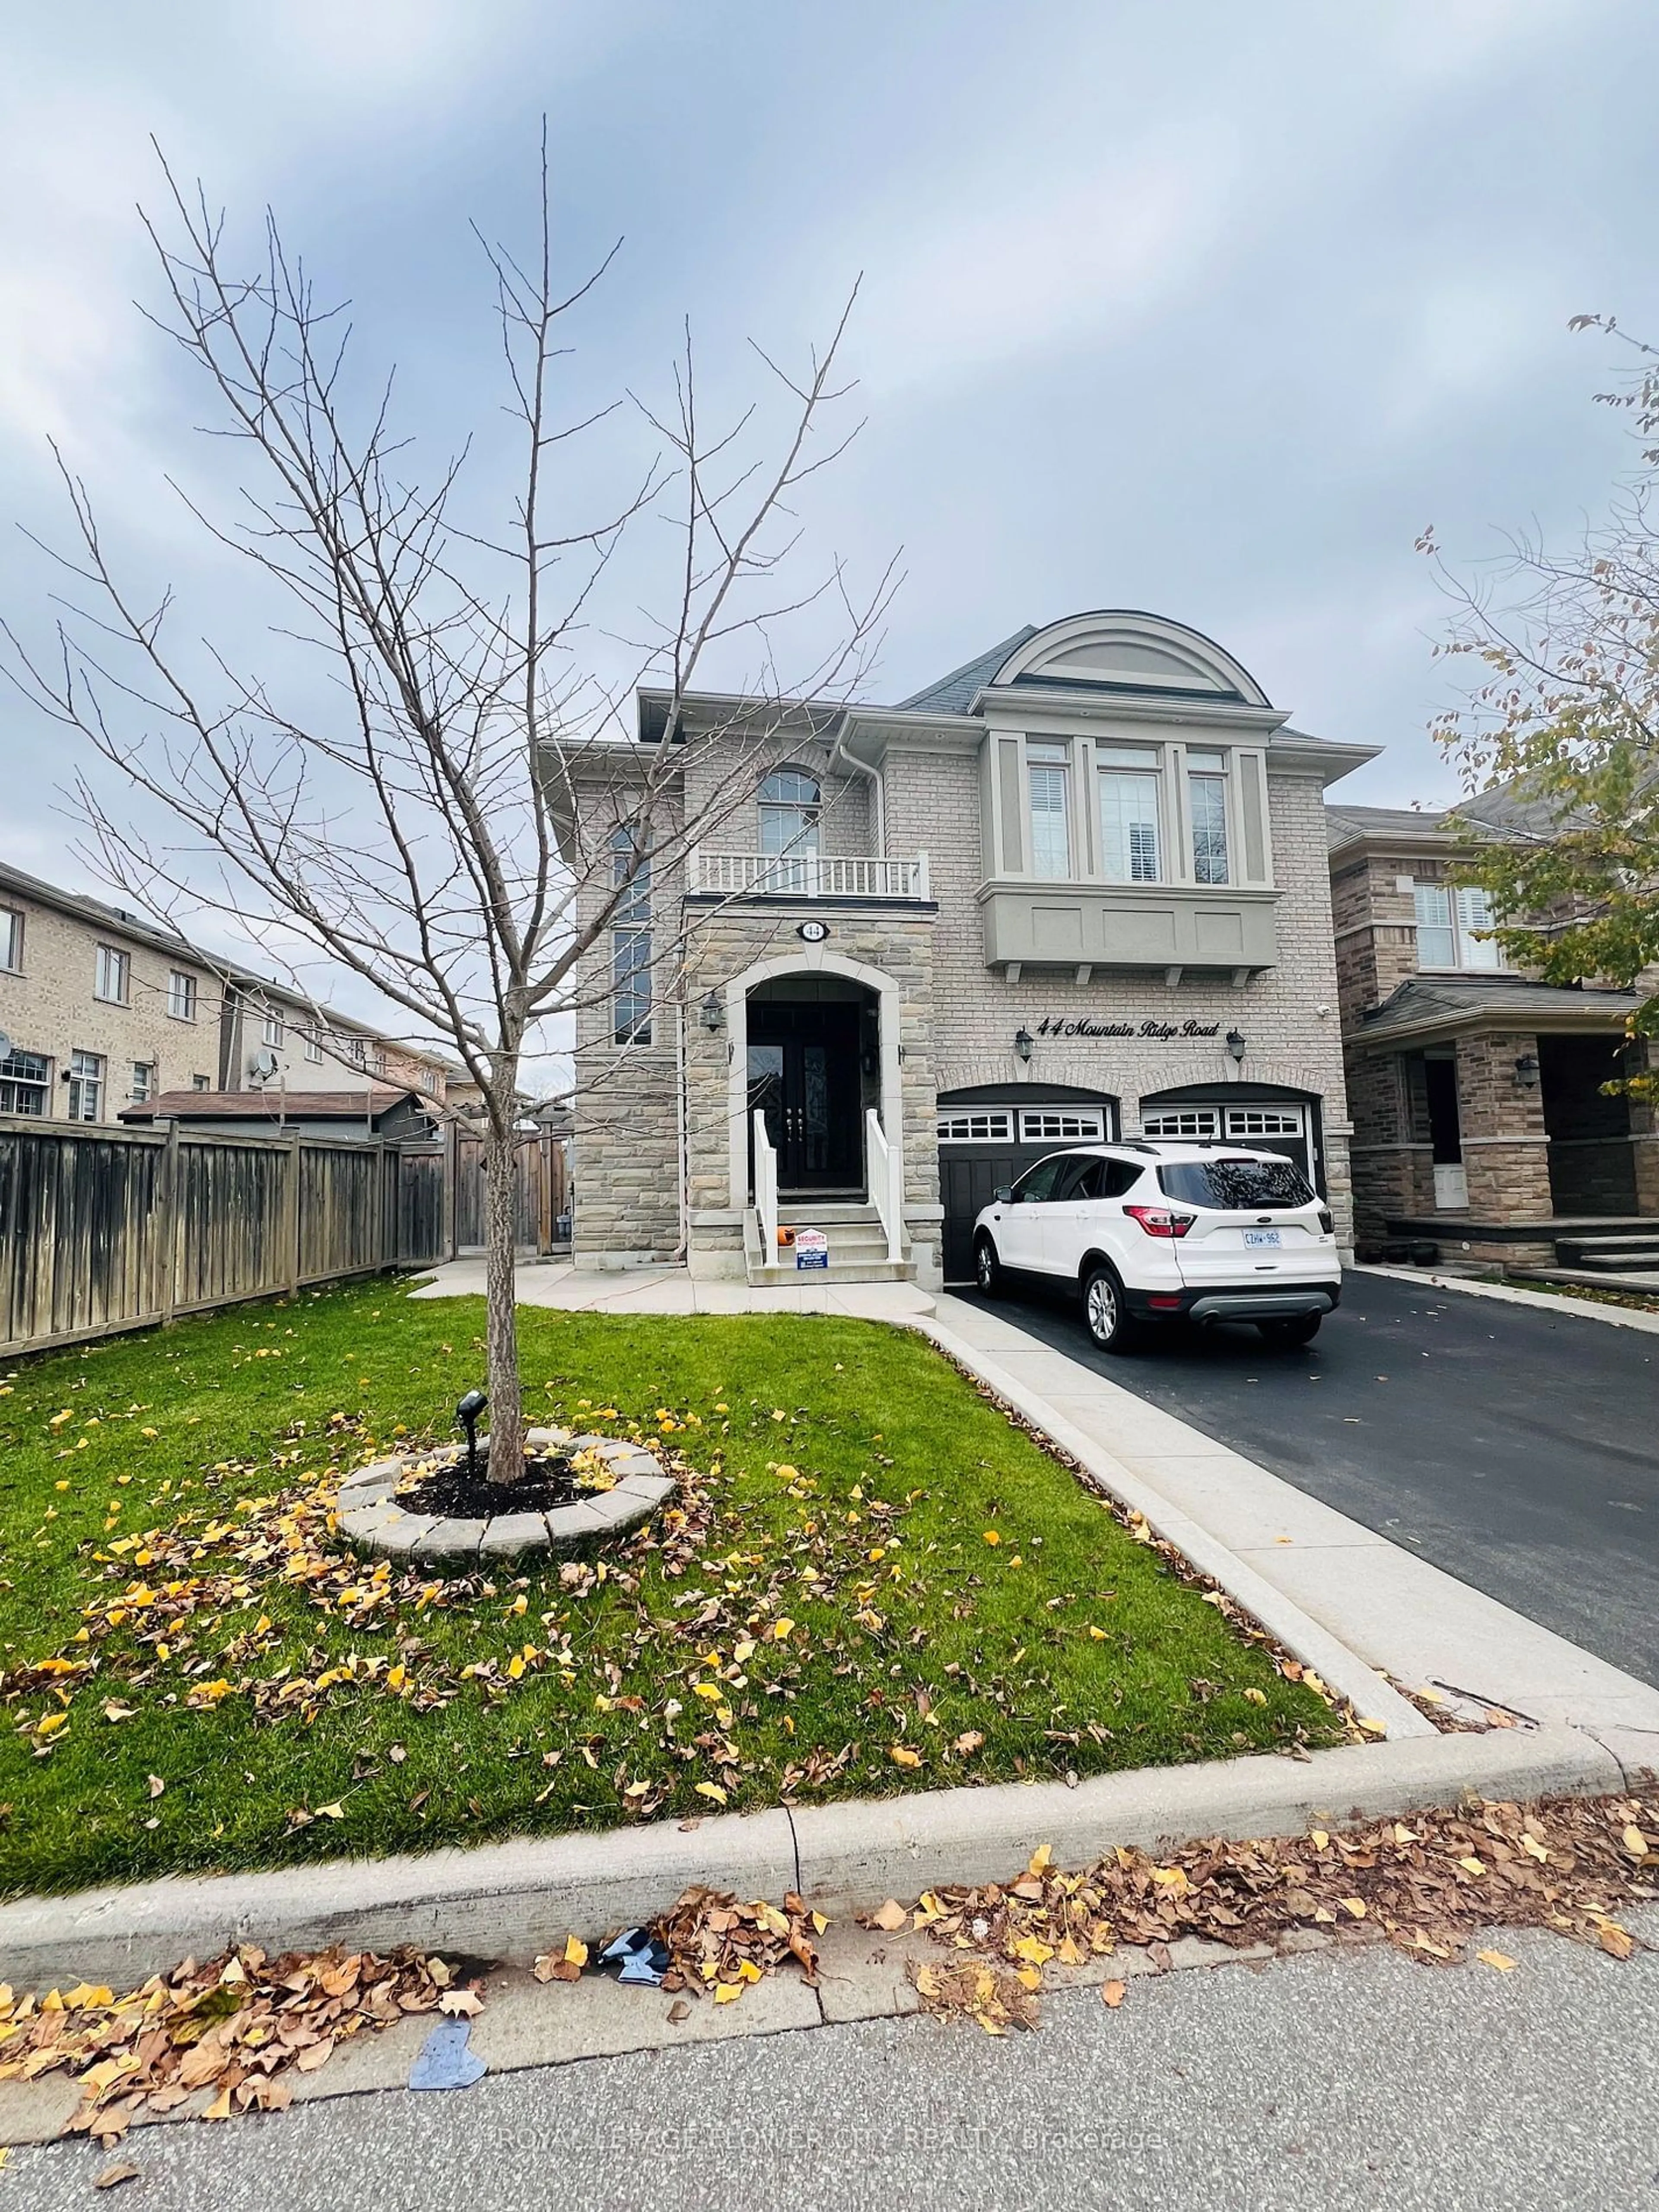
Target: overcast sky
point(1198, 307)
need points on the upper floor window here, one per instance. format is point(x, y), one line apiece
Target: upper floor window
point(85, 1090)
point(630, 940)
point(181, 995)
point(11, 938)
point(271, 1028)
point(630, 874)
point(355, 1052)
point(1048, 772)
point(24, 1077)
point(1448, 915)
point(1128, 815)
point(790, 804)
point(1206, 797)
point(201, 1083)
point(111, 979)
point(313, 1037)
point(143, 1082)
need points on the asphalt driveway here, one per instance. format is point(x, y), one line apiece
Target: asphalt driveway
point(1515, 1447)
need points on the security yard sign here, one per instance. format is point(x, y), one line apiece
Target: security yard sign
point(811, 1248)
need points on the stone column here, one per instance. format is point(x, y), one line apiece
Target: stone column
point(1645, 1133)
point(1505, 1147)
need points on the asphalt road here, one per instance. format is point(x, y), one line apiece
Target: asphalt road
point(1347, 2081)
point(1515, 1447)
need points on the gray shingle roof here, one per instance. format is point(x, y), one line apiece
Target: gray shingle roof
point(953, 694)
point(1344, 824)
point(1424, 1002)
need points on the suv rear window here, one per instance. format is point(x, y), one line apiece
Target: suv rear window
point(1236, 1186)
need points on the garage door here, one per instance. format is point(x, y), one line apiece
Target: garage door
point(986, 1141)
point(1267, 1125)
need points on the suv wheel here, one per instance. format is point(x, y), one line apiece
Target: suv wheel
point(988, 1269)
point(1104, 1312)
point(1291, 1329)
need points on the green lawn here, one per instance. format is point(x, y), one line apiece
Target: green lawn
point(868, 1561)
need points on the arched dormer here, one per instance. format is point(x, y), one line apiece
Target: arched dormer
point(1125, 651)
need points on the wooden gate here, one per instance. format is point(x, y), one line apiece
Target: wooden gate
point(544, 1192)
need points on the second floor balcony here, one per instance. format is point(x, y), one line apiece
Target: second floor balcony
point(807, 875)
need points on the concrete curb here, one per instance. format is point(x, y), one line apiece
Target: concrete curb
point(510, 1901)
point(1347, 1675)
point(1540, 1301)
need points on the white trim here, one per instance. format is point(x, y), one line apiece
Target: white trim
point(811, 960)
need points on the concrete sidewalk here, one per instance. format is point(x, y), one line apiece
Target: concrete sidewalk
point(672, 1290)
point(1400, 1614)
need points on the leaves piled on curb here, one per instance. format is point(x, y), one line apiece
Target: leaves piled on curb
point(1425, 1885)
point(720, 1947)
point(237, 2027)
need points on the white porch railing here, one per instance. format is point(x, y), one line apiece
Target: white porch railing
point(806, 875)
point(886, 1182)
point(766, 1192)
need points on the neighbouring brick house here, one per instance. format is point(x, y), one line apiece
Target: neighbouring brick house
point(1480, 1120)
point(102, 1009)
point(1076, 888)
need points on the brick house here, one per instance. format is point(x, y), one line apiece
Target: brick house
point(102, 1010)
point(1076, 888)
point(1479, 1121)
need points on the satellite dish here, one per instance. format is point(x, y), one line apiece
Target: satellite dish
point(265, 1067)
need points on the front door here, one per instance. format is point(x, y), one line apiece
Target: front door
point(804, 1078)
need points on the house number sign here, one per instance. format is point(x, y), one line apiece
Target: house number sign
point(813, 933)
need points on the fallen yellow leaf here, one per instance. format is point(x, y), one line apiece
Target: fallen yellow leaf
point(1635, 1842)
point(1112, 1994)
point(901, 1756)
point(728, 1992)
point(892, 1917)
point(1356, 1905)
point(575, 1951)
point(711, 1790)
point(1500, 1960)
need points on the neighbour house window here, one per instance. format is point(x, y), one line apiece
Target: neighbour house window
point(1129, 816)
point(1051, 837)
point(631, 940)
point(271, 1030)
point(201, 1083)
point(85, 1090)
point(143, 1082)
point(111, 977)
point(181, 995)
point(24, 1079)
point(1446, 916)
point(355, 1052)
point(1206, 796)
point(995, 1128)
point(11, 938)
point(313, 1044)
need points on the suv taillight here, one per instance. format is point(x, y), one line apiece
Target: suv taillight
point(1161, 1220)
point(1327, 1220)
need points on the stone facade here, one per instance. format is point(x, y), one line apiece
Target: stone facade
point(660, 1156)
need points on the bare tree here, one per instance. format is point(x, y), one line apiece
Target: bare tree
point(409, 827)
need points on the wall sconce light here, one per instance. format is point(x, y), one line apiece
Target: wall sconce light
point(1023, 1045)
point(1526, 1071)
point(714, 1012)
point(1235, 1044)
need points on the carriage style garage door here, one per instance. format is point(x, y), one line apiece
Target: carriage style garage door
point(1265, 1119)
point(990, 1135)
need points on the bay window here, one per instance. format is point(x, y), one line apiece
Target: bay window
point(1207, 799)
point(1128, 815)
point(1048, 771)
point(24, 1077)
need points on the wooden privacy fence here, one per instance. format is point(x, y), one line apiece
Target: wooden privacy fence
point(103, 1229)
point(543, 1191)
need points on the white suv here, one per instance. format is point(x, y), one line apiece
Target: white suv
point(1151, 1232)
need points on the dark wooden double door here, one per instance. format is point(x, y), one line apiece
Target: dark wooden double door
point(804, 1077)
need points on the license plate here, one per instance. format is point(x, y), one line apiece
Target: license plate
point(1268, 1237)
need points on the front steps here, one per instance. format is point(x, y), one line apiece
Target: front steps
point(1624, 1257)
point(857, 1245)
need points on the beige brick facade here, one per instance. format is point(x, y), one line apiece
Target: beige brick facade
point(660, 1155)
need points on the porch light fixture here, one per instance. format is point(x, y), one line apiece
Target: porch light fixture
point(1526, 1071)
point(714, 1012)
point(1023, 1043)
point(1235, 1044)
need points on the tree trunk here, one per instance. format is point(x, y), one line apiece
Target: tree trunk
point(501, 1326)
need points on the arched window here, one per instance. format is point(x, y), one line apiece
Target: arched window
point(789, 802)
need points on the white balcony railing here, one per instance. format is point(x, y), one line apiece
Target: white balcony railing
point(806, 876)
